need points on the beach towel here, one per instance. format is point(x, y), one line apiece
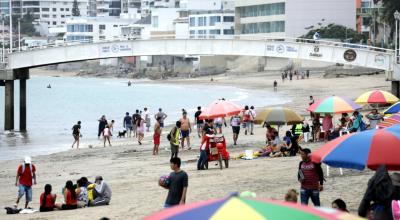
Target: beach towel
point(28, 211)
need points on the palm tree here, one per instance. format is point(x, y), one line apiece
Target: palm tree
point(388, 9)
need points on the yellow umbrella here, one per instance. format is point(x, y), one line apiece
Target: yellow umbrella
point(377, 97)
point(278, 116)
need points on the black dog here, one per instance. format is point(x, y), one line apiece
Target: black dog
point(121, 134)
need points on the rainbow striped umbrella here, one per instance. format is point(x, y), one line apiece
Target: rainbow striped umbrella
point(377, 97)
point(370, 149)
point(235, 207)
point(333, 105)
point(395, 108)
point(390, 121)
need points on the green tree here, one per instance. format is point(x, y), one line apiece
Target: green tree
point(26, 22)
point(387, 12)
point(75, 9)
point(340, 32)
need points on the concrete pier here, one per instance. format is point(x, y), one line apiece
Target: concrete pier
point(396, 88)
point(9, 105)
point(22, 105)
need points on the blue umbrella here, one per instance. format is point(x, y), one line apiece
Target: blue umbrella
point(395, 108)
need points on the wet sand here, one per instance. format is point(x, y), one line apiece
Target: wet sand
point(132, 172)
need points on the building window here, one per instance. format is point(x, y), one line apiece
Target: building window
point(201, 33)
point(62, 16)
point(214, 19)
point(262, 10)
point(229, 32)
point(54, 16)
point(45, 9)
point(67, 9)
point(45, 16)
point(263, 27)
point(61, 9)
point(215, 32)
point(102, 27)
point(229, 19)
point(54, 9)
point(192, 21)
point(202, 21)
point(154, 21)
point(54, 23)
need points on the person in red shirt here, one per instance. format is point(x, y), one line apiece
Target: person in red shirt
point(47, 199)
point(25, 174)
point(311, 178)
point(70, 197)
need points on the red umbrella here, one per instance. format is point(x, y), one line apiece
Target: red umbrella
point(220, 108)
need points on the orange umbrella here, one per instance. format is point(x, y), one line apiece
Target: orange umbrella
point(221, 108)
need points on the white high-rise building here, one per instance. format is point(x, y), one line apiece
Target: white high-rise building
point(291, 18)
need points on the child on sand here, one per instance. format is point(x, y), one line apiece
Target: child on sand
point(107, 135)
point(291, 196)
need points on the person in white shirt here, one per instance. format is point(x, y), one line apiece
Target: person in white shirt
point(252, 118)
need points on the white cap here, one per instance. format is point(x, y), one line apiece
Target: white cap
point(28, 159)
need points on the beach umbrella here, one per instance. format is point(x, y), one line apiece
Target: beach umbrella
point(334, 105)
point(278, 116)
point(395, 108)
point(390, 121)
point(377, 97)
point(220, 108)
point(370, 149)
point(235, 207)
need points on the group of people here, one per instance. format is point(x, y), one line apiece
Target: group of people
point(79, 195)
point(299, 74)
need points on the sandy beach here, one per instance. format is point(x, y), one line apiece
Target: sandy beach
point(132, 172)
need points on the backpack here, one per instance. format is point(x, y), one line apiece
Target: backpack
point(30, 168)
point(169, 137)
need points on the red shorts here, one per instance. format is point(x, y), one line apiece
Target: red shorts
point(156, 139)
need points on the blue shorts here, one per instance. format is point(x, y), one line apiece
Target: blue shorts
point(185, 133)
point(162, 124)
point(25, 190)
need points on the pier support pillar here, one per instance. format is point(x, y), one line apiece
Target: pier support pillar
point(396, 88)
point(9, 105)
point(22, 105)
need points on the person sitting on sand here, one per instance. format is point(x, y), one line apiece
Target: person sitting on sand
point(340, 205)
point(273, 147)
point(291, 196)
point(70, 198)
point(290, 145)
point(270, 132)
point(47, 199)
point(82, 193)
point(102, 192)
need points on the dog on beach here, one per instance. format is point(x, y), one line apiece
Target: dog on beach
point(121, 134)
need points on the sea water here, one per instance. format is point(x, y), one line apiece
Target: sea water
point(51, 112)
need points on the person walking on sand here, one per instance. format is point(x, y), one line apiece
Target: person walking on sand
point(107, 136)
point(111, 125)
point(311, 178)
point(102, 125)
point(140, 130)
point(157, 135)
point(135, 118)
point(76, 133)
point(275, 86)
point(235, 123)
point(174, 139)
point(246, 119)
point(185, 130)
point(25, 174)
point(179, 182)
point(127, 123)
point(147, 119)
point(253, 114)
point(199, 122)
point(160, 114)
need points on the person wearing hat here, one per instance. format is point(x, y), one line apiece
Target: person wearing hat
point(102, 192)
point(25, 173)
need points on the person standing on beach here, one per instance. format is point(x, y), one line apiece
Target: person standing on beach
point(199, 122)
point(311, 178)
point(140, 130)
point(127, 123)
point(275, 86)
point(178, 184)
point(111, 125)
point(135, 118)
point(102, 125)
point(25, 173)
point(157, 135)
point(253, 113)
point(107, 135)
point(246, 119)
point(290, 76)
point(160, 114)
point(147, 119)
point(185, 130)
point(76, 133)
point(174, 139)
point(235, 123)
